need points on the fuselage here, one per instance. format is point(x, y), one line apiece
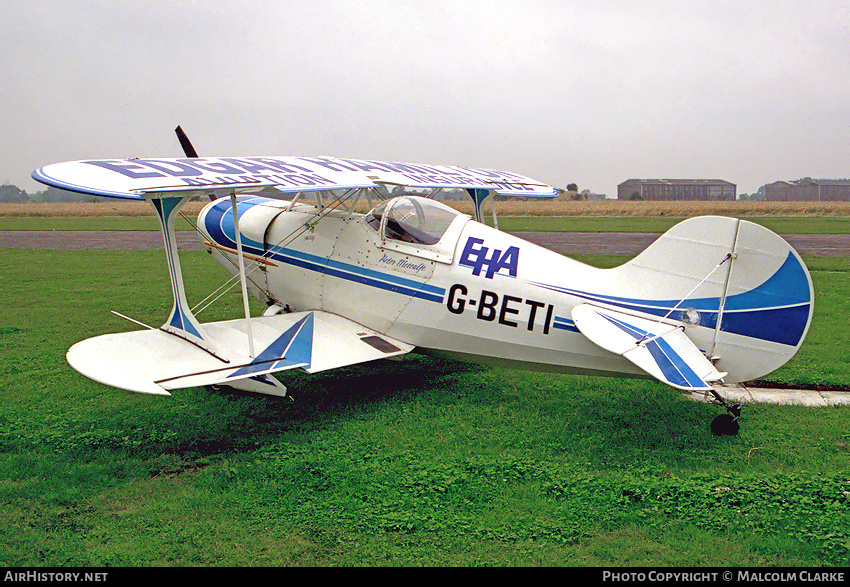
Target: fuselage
point(476, 294)
point(422, 273)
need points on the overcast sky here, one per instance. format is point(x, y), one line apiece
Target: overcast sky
point(563, 91)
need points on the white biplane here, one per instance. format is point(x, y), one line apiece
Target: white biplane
point(713, 300)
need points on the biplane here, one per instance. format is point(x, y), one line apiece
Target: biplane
point(713, 300)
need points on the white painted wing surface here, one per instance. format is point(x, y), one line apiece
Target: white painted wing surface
point(153, 361)
point(661, 349)
point(140, 178)
point(136, 178)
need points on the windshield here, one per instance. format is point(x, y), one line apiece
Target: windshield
point(413, 219)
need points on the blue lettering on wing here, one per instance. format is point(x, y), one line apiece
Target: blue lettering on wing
point(173, 168)
point(479, 257)
point(277, 165)
point(212, 166)
point(132, 169)
point(307, 180)
point(368, 165)
point(514, 187)
point(332, 164)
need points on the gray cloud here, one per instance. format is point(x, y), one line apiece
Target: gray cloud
point(591, 92)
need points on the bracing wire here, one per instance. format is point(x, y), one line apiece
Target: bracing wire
point(646, 336)
point(232, 282)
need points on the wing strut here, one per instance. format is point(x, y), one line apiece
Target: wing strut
point(478, 196)
point(181, 322)
point(241, 259)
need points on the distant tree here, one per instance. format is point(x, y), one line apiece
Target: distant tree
point(635, 196)
point(571, 187)
point(13, 194)
point(52, 194)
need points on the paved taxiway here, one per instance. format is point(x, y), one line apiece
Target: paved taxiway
point(566, 243)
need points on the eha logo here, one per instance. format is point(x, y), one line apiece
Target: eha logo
point(476, 256)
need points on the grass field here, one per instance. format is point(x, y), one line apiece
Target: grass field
point(419, 462)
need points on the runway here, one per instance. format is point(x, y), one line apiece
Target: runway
point(566, 243)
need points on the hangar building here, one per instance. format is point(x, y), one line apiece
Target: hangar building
point(676, 189)
point(808, 190)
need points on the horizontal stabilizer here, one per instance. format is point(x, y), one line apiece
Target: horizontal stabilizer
point(660, 348)
point(154, 361)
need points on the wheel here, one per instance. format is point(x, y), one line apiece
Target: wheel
point(725, 425)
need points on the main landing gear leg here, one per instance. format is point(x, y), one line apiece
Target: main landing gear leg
point(726, 424)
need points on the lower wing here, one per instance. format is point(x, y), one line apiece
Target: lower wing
point(154, 361)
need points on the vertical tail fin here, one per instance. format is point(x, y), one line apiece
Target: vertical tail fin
point(750, 313)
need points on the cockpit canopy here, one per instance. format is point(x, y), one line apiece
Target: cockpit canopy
point(418, 226)
point(412, 219)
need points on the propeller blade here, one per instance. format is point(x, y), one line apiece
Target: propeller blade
point(188, 148)
point(185, 143)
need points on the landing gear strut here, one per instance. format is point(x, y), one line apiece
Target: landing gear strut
point(726, 424)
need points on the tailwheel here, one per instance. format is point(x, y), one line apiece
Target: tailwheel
point(725, 425)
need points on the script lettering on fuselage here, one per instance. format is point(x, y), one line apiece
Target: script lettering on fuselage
point(479, 257)
point(504, 309)
point(402, 263)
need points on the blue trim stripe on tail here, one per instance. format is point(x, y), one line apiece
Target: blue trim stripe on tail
point(675, 369)
point(777, 310)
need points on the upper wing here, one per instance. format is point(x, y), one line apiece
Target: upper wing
point(132, 178)
point(153, 361)
point(447, 176)
point(662, 350)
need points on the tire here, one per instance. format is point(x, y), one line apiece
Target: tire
point(725, 425)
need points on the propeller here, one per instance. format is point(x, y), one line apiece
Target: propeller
point(188, 149)
point(185, 143)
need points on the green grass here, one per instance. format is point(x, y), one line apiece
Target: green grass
point(778, 224)
point(418, 462)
